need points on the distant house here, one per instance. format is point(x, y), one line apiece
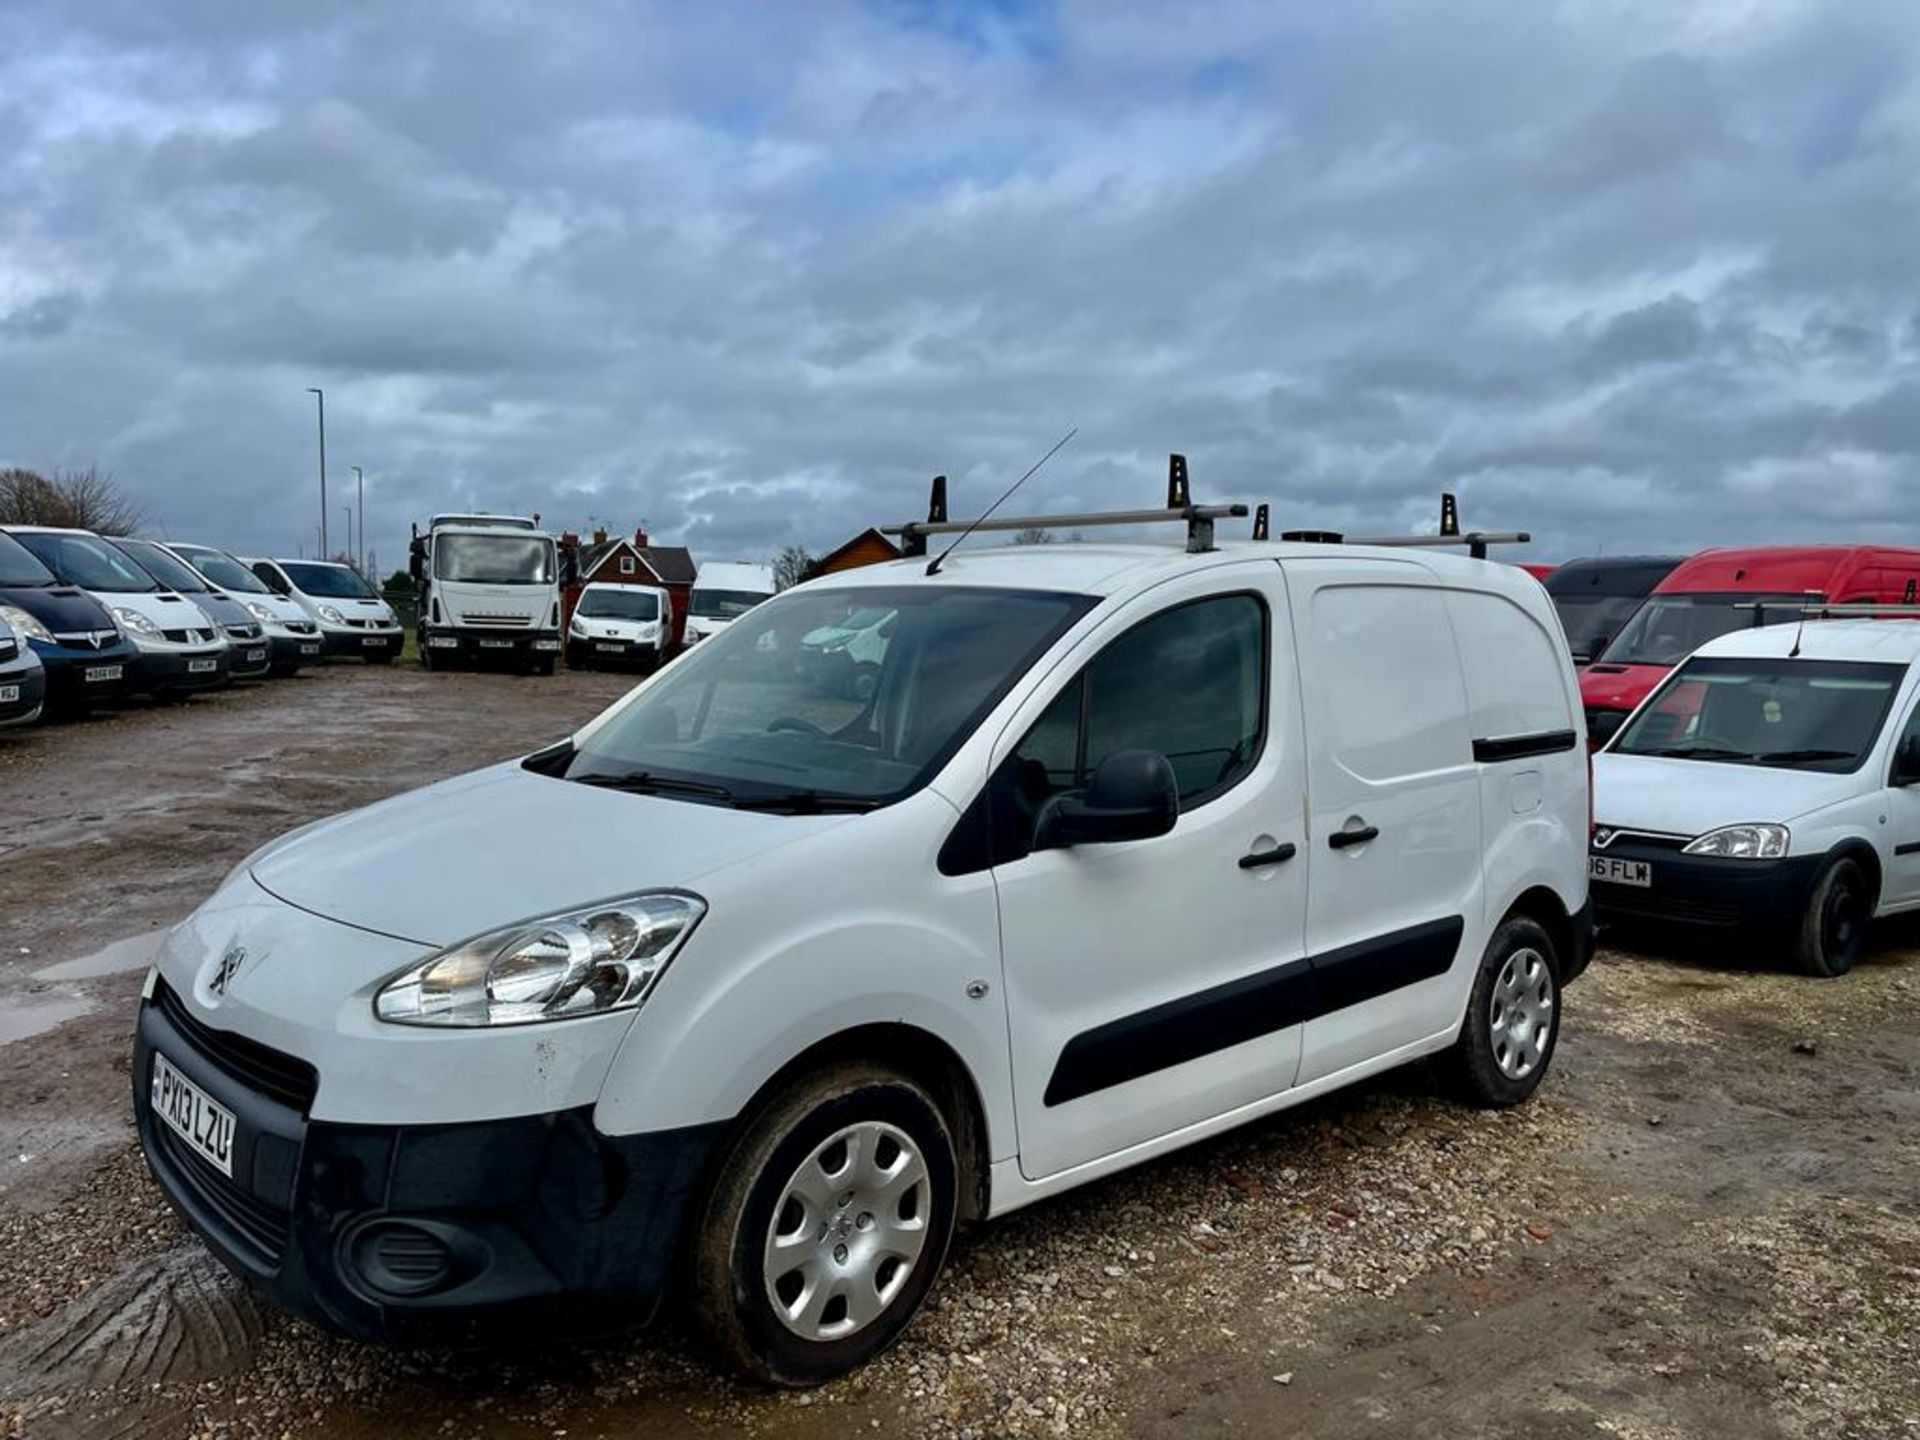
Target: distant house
point(869, 547)
point(624, 561)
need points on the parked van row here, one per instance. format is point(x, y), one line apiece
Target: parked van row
point(755, 985)
point(106, 617)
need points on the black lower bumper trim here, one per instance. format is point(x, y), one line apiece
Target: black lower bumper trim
point(470, 644)
point(468, 1234)
point(31, 686)
point(161, 672)
point(1707, 892)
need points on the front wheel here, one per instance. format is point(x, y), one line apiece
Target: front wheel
point(826, 1227)
point(1513, 1018)
point(1833, 931)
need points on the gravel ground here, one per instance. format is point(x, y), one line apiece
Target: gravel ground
point(1705, 1224)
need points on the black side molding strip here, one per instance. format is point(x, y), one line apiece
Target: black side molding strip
point(1240, 1010)
point(1519, 747)
point(1912, 847)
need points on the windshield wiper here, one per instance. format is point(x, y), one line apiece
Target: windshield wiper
point(642, 783)
point(1794, 757)
point(809, 802)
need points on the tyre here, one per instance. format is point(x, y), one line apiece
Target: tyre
point(827, 1224)
point(864, 681)
point(1833, 931)
point(543, 665)
point(1513, 1019)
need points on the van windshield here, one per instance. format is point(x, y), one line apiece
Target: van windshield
point(19, 566)
point(169, 570)
point(619, 605)
point(737, 721)
point(329, 582)
point(1591, 620)
point(89, 562)
point(1671, 627)
point(503, 559)
point(722, 604)
point(223, 570)
point(1798, 714)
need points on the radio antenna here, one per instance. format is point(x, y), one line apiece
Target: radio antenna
point(933, 566)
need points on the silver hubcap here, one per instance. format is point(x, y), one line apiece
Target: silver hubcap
point(1521, 1013)
point(847, 1231)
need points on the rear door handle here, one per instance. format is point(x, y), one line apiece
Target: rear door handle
point(1341, 839)
point(1278, 855)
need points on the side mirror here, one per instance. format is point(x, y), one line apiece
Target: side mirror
point(1133, 796)
point(1906, 762)
point(417, 558)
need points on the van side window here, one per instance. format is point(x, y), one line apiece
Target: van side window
point(1190, 683)
point(270, 577)
point(1394, 701)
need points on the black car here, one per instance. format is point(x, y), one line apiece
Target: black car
point(84, 654)
point(1597, 596)
point(251, 654)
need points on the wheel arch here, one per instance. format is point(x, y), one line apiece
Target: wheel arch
point(1543, 905)
point(921, 1056)
point(1867, 858)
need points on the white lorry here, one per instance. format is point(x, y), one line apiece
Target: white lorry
point(489, 590)
point(722, 593)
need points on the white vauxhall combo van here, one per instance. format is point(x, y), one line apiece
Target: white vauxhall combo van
point(752, 991)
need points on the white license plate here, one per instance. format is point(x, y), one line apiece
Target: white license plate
point(255, 657)
point(615, 649)
point(309, 649)
point(202, 667)
point(373, 640)
point(9, 694)
point(103, 672)
point(193, 1115)
point(1613, 871)
point(496, 644)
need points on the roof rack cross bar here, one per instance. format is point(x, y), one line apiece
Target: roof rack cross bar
point(1193, 515)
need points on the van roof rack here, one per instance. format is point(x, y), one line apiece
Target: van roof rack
point(1179, 508)
point(1450, 534)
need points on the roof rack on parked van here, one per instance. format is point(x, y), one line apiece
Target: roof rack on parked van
point(1180, 507)
point(1449, 534)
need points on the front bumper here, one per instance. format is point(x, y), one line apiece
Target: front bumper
point(601, 649)
point(1706, 892)
point(28, 691)
point(249, 659)
point(429, 1234)
point(85, 676)
point(181, 672)
point(455, 642)
point(351, 640)
point(290, 651)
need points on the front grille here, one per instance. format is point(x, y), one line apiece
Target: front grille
point(85, 639)
point(244, 632)
point(252, 1222)
point(301, 627)
point(1623, 902)
point(280, 1078)
point(8, 649)
point(515, 622)
point(189, 637)
point(359, 624)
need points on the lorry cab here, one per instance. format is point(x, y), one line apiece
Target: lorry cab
point(722, 592)
point(293, 637)
point(249, 656)
point(1596, 596)
point(180, 650)
point(23, 680)
point(351, 619)
point(1719, 591)
point(757, 990)
point(489, 590)
point(85, 657)
point(1769, 788)
point(619, 624)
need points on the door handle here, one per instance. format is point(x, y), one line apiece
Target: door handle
point(1341, 839)
point(1278, 855)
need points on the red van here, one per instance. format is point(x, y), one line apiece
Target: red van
point(1715, 592)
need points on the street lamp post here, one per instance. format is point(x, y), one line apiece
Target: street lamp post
point(347, 510)
point(320, 396)
point(360, 484)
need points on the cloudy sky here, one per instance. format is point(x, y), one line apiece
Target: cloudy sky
point(1632, 273)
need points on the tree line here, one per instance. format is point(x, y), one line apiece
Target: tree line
point(88, 499)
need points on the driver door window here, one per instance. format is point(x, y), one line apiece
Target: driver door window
point(1903, 817)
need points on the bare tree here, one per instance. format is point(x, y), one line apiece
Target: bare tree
point(791, 566)
point(89, 499)
point(1033, 535)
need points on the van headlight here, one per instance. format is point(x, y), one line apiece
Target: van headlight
point(1742, 842)
point(24, 625)
point(579, 962)
point(331, 614)
point(260, 612)
point(134, 623)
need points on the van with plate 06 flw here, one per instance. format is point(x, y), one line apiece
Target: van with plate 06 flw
point(757, 990)
point(1718, 591)
point(1770, 789)
point(179, 650)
